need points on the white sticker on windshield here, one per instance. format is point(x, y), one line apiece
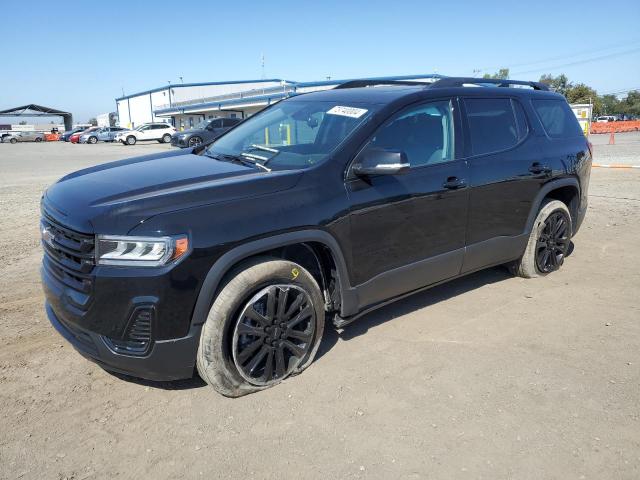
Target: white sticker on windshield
point(347, 111)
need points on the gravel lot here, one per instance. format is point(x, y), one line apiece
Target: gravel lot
point(487, 377)
point(626, 150)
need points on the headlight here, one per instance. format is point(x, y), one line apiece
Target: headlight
point(140, 251)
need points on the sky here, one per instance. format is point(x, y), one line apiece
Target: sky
point(79, 57)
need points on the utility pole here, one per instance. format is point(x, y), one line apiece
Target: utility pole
point(181, 81)
point(169, 82)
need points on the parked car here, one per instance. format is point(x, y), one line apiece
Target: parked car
point(605, 119)
point(204, 132)
point(160, 132)
point(321, 207)
point(103, 134)
point(67, 135)
point(24, 137)
point(75, 138)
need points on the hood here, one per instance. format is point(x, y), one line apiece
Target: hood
point(117, 196)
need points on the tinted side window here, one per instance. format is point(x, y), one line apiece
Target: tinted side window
point(424, 133)
point(557, 118)
point(492, 124)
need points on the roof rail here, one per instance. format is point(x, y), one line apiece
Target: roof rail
point(374, 83)
point(462, 81)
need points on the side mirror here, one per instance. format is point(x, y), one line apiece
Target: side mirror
point(379, 161)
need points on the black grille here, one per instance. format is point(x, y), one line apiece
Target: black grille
point(137, 340)
point(69, 258)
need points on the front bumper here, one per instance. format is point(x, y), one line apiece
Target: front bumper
point(130, 320)
point(179, 142)
point(167, 360)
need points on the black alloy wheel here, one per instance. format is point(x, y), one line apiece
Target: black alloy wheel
point(553, 242)
point(195, 141)
point(274, 334)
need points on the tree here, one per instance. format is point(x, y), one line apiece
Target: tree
point(558, 84)
point(581, 93)
point(502, 74)
point(22, 122)
point(631, 104)
point(93, 121)
point(610, 105)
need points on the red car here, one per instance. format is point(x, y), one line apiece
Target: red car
point(75, 138)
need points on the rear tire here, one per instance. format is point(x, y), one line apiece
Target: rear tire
point(548, 242)
point(38, 139)
point(13, 140)
point(236, 341)
point(166, 138)
point(131, 140)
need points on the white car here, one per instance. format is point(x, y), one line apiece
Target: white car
point(160, 132)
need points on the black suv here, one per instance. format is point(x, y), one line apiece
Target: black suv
point(204, 132)
point(229, 258)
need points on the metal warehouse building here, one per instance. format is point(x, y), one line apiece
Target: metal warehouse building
point(184, 105)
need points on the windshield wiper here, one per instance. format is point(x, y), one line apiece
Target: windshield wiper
point(238, 159)
point(260, 159)
point(266, 149)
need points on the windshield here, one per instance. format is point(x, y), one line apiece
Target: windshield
point(292, 134)
point(202, 124)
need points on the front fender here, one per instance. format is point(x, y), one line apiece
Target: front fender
point(232, 257)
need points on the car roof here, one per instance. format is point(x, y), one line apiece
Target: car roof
point(384, 93)
point(378, 94)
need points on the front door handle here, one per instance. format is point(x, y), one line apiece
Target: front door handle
point(538, 168)
point(454, 183)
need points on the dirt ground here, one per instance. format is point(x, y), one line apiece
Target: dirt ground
point(488, 377)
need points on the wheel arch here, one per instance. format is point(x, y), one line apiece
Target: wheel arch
point(567, 190)
point(324, 256)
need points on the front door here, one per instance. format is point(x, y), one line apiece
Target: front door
point(408, 230)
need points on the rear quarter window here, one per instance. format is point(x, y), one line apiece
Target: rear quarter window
point(557, 118)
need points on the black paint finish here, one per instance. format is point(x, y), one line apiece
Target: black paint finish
point(388, 235)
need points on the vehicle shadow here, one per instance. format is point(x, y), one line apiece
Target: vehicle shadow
point(186, 384)
point(407, 305)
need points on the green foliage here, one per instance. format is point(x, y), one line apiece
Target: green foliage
point(602, 104)
point(93, 122)
point(502, 74)
point(558, 84)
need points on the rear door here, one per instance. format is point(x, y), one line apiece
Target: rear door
point(408, 230)
point(505, 174)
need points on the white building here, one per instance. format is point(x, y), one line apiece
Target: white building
point(185, 105)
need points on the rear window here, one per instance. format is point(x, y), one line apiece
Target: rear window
point(557, 118)
point(492, 125)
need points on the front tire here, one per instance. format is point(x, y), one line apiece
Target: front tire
point(195, 141)
point(548, 242)
point(13, 140)
point(92, 140)
point(265, 325)
point(38, 139)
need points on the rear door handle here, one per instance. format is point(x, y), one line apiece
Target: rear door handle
point(538, 168)
point(454, 183)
